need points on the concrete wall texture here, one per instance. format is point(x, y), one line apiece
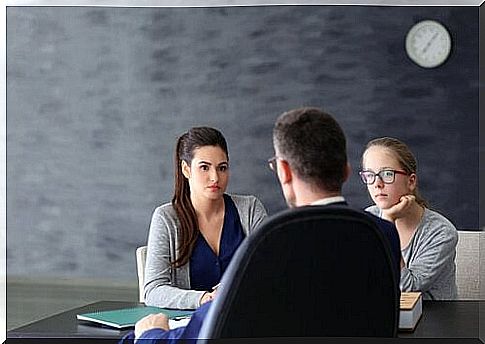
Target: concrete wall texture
point(96, 98)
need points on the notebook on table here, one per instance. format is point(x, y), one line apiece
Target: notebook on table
point(127, 317)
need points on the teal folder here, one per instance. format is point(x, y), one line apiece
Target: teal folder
point(127, 317)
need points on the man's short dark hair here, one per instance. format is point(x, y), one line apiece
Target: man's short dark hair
point(314, 145)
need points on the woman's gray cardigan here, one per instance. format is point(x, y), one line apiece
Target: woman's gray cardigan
point(170, 287)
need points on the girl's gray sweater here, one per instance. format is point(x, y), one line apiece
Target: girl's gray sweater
point(430, 257)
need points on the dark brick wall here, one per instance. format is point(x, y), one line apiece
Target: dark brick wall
point(97, 96)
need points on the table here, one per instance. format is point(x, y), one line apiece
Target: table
point(58, 327)
point(440, 319)
point(449, 319)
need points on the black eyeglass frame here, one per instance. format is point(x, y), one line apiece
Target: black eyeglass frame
point(272, 163)
point(379, 174)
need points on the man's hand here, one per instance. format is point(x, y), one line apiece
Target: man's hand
point(399, 209)
point(151, 321)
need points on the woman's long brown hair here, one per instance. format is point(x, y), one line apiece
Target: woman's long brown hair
point(184, 151)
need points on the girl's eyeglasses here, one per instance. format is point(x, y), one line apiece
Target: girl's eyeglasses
point(387, 176)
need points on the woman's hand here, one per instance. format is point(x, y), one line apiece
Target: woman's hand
point(208, 296)
point(399, 209)
point(151, 321)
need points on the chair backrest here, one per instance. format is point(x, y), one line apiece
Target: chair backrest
point(141, 257)
point(468, 264)
point(310, 271)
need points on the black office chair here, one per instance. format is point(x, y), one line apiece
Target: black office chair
point(308, 272)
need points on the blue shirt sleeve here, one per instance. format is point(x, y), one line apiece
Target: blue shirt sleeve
point(154, 336)
point(159, 336)
point(195, 324)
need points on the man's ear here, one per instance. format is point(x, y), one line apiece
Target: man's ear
point(185, 169)
point(285, 174)
point(347, 171)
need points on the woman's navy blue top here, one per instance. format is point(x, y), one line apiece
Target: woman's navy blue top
point(206, 268)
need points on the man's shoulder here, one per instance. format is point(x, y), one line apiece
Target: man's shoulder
point(381, 222)
point(384, 225)
point(369, 213)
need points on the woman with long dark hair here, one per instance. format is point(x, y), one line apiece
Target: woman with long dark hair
point(193, 238)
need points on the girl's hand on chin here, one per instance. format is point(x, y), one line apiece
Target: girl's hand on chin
point(400, 209)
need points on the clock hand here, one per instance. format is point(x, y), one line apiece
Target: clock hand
point(429, 43)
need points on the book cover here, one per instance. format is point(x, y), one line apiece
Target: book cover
point(410, 310)
point(127, 317)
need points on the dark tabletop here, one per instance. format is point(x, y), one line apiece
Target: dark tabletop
point(440, 319)
point(449, 319)
point(66, 325)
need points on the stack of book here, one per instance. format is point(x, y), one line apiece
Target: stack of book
point(411, 308)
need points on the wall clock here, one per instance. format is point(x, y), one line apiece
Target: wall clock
point(428, 43)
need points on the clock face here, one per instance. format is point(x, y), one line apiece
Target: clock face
point(428, 43)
